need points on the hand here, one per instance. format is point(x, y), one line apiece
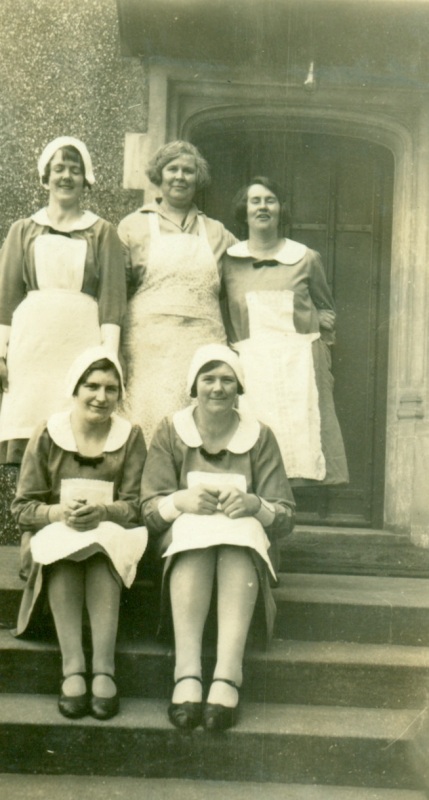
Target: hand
point(326, 318)
point(198, 500)
point(4, 376)
point(236, 504)
point(81, 516)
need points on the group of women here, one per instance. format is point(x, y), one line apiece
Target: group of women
point(223, 425)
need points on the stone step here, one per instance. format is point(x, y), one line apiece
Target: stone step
point(292, 672)
point(311, 607)
point(352, 551)
point(89, 787)
point(271, 742)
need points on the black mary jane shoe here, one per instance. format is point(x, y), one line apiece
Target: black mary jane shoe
point(217, 717)
point(188, 715)
point(104, 707)
point(73, 706)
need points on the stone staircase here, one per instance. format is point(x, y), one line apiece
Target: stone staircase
point(328, 712)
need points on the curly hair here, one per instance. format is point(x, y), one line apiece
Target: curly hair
point(168, 152)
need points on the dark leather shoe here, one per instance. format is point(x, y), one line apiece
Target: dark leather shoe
point(186, 716)
point(217, 717)
point(104, 707)
point(73, 706)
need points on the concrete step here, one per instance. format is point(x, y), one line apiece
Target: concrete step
point(310, 606)
point(271, 742)
point(352, 551)
point(317, 673)
point(69, 787)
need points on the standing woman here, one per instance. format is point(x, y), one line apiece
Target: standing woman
point(215, 500)
point(280, 315)
point(62, 290)
point(173, 254)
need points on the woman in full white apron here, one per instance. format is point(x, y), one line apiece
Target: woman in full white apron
point(216, 500)
point(77, 505)
point(280, 316)
point(172, 252)
point(62, 290)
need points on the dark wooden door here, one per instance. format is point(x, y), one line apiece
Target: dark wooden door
point(340, 196)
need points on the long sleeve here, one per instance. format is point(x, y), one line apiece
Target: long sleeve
point(112, 281)
point(271, 484)
point(30, 506)
point(125, 510)
point(160, 477)
point(320, 292)
point(12, 285)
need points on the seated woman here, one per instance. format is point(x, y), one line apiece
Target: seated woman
point(78, 498)
point(215, 495)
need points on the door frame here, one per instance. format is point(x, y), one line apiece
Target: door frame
point(394, 118)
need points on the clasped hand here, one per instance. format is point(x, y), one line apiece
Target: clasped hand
point(207, 500)
point(82, 516)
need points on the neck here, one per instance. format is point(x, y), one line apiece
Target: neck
point(214, 426)
point(87, 431)
point(264, 242)
point(61, 215)
point(175, 212)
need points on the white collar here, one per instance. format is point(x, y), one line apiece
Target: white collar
point(60, 430)
point(87, 220)
point(244, 438)
point(150, 208)
point(289, 254)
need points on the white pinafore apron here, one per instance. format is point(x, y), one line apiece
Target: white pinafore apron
point(50, 328)
point(281, 387)
point(175, 311)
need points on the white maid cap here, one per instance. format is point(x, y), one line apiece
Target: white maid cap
point(65, 141)
point(214, 352)
point(84, 361)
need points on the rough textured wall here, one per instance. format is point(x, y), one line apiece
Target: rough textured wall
point(61, 73)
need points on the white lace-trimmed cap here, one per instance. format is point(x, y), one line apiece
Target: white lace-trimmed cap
point(214, 352)
point(84, 360)
point(65, 141)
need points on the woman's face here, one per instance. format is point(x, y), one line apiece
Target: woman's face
point(66, 179)
point(217, 389)
point(179, 181)
point(263, 209)
point(97, 397)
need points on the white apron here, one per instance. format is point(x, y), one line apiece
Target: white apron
point(175, 311)
point(281, 387)
point(49, 329)
point(198, 531)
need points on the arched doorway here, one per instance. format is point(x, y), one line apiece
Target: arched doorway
point(340, 192)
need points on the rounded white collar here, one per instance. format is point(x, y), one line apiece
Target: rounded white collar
point(243, 439)
point(87, 220)
point(60, 430)
point(289, 254)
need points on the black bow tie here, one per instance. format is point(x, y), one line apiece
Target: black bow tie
point(266, 262)
point(88, 461)
point(60, 233)
point(212, 456)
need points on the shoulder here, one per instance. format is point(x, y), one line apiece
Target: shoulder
point(136, 221)
point(216, 228)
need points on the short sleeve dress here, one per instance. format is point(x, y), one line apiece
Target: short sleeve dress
point(52, 469)
point(56, 290)
point(252, 462)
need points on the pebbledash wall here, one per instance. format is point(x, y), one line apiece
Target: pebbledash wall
point(61, 73)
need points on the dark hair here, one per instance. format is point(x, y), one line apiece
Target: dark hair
point(168, 152)
point(206, 368)
point(105, 365)
point(239, 202)
point(72, 154)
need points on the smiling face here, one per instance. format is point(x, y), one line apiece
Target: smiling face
point(217, 389)
point(263, 209)
point(97, 396)
point(66, 179)
point(179, 181)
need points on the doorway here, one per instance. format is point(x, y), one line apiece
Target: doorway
point(340, 194)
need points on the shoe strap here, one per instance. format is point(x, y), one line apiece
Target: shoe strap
point(188, 678)
point(228, 681)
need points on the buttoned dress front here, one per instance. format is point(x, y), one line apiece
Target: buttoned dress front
point(174, 282)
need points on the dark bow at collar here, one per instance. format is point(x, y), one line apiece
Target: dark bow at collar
point(88, 461)
point(212, 456)
point(265, 262)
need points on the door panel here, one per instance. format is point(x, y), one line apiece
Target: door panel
point(340, 195)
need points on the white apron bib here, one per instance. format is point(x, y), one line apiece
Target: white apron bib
point(175, 311)
point(49, 329)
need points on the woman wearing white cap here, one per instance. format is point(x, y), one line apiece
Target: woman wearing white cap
point(215, 498)
point(62, 289)
point(77, 503)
